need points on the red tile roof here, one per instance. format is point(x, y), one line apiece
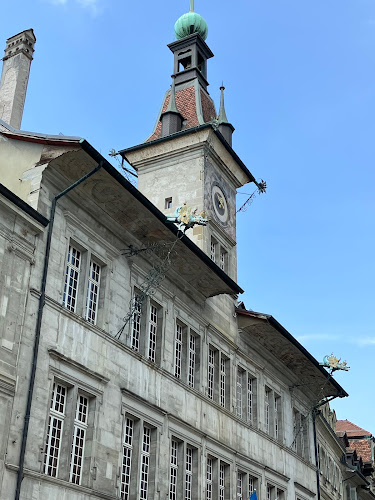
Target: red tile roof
point(186, 105)
point(351, 429)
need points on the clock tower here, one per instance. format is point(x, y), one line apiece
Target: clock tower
point(188, 158)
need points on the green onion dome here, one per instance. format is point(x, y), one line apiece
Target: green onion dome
point(190, 23)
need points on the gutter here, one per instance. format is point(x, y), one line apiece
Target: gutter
point(39, 326)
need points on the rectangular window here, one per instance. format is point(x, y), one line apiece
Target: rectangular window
point(127, 458)
point(73, 267)
point(145, 463)
point(276, 417)
point(267, 415)
point(209, 479)
point(178, 351)
point(211, 373)
point(222, 381)
point(252, 484)
point(136, 323)
point(250, 398)
point(92, 299)
point(223, 259)
point(300, 434)
point(174, 467)
point(269, 492)
point(189, 473)
point(192, 354)
point(153, 326)
point(239, 392)
point(222, 482)
point(79, 438)
point(240, 486)
point(168, 203)
point(55, 430)
point(213, 249)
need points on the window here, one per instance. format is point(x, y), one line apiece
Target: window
point(209, 479)
point(65, 413)
point(240, 376)
point(251, 391)
point(183, 471)
point(274, 493)
point(246, 396)
point(300, 434)
point(80, 283)
point(79, 438)
point(138, 458)
point(186, 355)
point(218, 377)
point(73, 268)
point(240, 480)
point(173, 475)
point(55, 430)
point(211, 373)
point(273, 414)
point(253, 484)
point(276, 416)
point(92, 299)
point(168, 203)
point(223, 259)
point(267, 417)
point(213, 248)
point(145, 463)
point(127, 453)
point(189, 473)
point(219, 254)
point(146, 327)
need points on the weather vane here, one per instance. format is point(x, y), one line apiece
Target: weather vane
point(334, 363)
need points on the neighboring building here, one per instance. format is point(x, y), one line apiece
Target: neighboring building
point(342, 472)
point(128, 369)
point(360, 448)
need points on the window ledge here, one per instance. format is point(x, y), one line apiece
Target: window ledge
point(60, 483)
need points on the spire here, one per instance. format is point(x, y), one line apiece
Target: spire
point(172, 106)
point(222, 118)
point(224, 127)
point(191, 5)
point(171, 119)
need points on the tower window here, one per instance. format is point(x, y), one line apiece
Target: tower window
point(184, 63)
point(168, 203)
point(213, 249)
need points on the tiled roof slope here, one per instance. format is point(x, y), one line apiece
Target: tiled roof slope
point(363, 448)
point(351, 429)
point(186, 102)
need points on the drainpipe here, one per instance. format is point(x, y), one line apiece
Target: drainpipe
point(39, 324)
point(315, 413)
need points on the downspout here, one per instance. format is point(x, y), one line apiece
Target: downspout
point(315, 412)
point(39, 324)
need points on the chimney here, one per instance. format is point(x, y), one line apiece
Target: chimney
point(15, 76)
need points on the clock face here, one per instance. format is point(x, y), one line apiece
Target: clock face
point(220, 204)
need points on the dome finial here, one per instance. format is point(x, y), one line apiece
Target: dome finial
point(190, 23)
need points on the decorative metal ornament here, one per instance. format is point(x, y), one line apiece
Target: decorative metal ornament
point(334, 363)
point(186, 218)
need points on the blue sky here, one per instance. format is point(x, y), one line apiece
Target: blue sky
point(300, 89)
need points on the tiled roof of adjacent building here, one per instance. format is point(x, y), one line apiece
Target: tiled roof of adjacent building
point(351, 429)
